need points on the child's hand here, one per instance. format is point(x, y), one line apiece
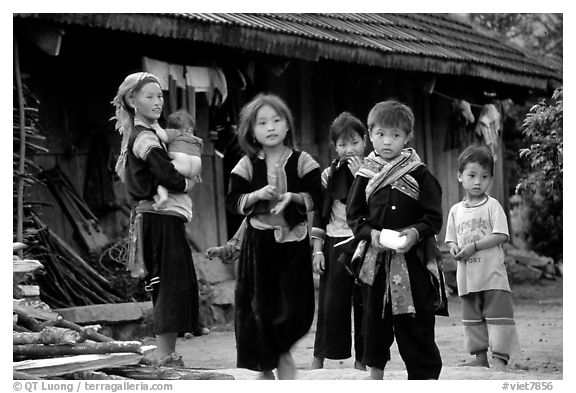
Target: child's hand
point(411, 239)
point(267, 193)
point(318, 263)
point(454, 250)
point(354, 163)
point(283, 201)
point(160, 132)
point(216, 252)
point(467, 251)
point(375, 235)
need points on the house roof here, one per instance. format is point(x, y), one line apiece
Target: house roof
point(435, 43)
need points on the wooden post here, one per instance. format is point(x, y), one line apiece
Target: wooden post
point(21, 165)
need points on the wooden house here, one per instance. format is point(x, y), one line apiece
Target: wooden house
point(321, 64)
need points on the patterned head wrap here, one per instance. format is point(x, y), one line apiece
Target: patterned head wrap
point(125, 115)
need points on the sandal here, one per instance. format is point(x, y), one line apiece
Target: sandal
point(171, 360)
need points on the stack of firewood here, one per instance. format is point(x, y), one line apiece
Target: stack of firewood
point(67, 279)
point(46, 345)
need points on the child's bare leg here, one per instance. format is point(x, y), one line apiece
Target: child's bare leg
point(317, 363)
point(376, 373)
point(162, 197)
point(480, 361)
point(186, 165)
point(286, 366)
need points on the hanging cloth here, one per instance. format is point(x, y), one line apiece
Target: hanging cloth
point(207, 80)
point(160, 69)
point(488, 126)
point(176, 72)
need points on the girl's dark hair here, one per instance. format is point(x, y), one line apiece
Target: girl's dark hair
point(478, 154)
point(391, 113)
point(346, 125)
point(249, 145)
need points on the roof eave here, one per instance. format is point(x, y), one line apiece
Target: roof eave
point(294, 46)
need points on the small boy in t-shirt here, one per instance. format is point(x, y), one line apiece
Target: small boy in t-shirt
point(475, 231)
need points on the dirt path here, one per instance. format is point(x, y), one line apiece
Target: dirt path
point(538, 313)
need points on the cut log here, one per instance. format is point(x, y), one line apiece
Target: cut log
point(118, 312)
point(25, 265)
point(21, 375)
point(141, 372)
point(44, 315)
point(29, 290)
point(70, 364)
point(49, 335)
point(18, 246)
point(93, 375)
point(18, 328)
point(90, 333)
point(29, 323)
point(38, 351)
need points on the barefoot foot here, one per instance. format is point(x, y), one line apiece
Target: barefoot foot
point(376, 373)
point(317, 363)
point(266, 375)
point(358, 365)
point(475, 363)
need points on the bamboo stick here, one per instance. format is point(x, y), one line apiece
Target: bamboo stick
point(20, 201)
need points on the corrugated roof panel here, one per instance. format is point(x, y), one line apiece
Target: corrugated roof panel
point(360, 36)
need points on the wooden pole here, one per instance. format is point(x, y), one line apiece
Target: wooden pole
point(35, 351)
point(21, 167)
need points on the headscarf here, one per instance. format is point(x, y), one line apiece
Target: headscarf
point(125, 115)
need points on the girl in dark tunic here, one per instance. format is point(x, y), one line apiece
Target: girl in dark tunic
point(338, 292)
point(159, 251)
point(275, 186)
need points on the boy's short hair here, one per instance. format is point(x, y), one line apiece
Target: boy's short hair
point(345, 125)
point(180, 120)
point(478, 154)
point(391, 113)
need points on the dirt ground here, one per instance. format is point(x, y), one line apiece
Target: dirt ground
point(538, 313)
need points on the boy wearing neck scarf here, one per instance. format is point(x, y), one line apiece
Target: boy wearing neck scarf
point(403, 288)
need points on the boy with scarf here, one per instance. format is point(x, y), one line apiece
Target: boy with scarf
point(403, 289)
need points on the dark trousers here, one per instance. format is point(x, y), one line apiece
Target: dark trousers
point(338, 296)
point(414, 333)
point(168, 259)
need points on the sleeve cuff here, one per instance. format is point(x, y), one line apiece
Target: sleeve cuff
point(242, 205)
point(416, 232)
point(318, 233)
point(308, 203)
